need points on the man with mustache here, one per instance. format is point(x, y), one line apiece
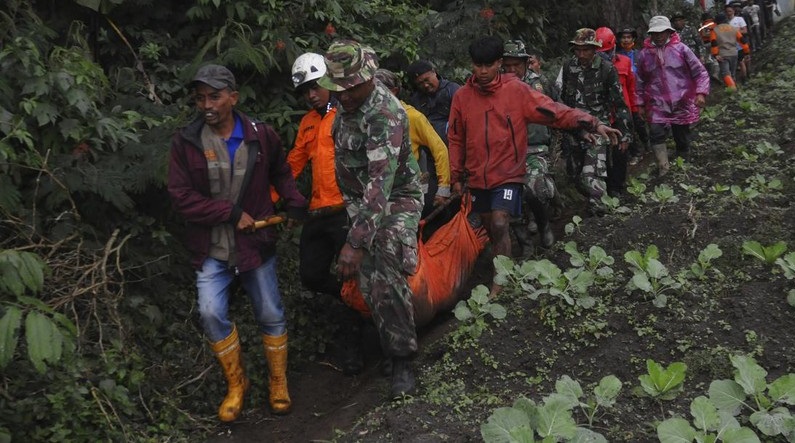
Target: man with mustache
point(220, 169)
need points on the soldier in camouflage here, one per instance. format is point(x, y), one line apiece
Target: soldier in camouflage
point(591, 84)
point(688, 35)
point(379, 180)
point(539, 183)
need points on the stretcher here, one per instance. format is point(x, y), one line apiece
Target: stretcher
point(445, 262)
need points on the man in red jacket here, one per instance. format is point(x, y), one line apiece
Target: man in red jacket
point(220, 169)
point(488, 138)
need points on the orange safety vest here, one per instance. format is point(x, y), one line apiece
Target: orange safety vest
point(314, 143)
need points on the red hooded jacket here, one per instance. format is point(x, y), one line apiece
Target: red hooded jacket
point(488, 129)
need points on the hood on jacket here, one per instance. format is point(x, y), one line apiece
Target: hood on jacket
point(499, 80)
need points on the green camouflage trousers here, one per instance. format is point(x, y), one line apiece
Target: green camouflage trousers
point(538, 183)
point(588, 163)
point(384, 285)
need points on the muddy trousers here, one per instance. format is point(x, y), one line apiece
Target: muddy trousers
point(384, 285)
point(682, 134)
point(588, 163)
point(616, 171)
point(640, 143)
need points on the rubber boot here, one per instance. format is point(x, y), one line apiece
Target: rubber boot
point(541, 215)
point(228, 353)
point(276, 353)
point(661, 155)
point(522, 239)
point(403, 381)
point(729, 82)
point(386, 366)
point(351, 345)
point(532, 226)
point(684, 154)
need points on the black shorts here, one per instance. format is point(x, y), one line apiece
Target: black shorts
point(507, 198)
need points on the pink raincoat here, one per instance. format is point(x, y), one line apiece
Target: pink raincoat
point(669, 78)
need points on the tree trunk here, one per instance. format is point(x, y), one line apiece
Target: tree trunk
point(619, 13)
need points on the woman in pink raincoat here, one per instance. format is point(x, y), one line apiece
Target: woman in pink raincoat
point(672, 85)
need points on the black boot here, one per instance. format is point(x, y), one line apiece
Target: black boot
point(352, 359)
point(403, 381)
point(350, 343)
point(386, 366)
point(683, 153)
point(541, 215)
point(522, 239)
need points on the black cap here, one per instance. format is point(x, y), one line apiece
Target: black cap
point(215, 76)
point(418, 68)
point(678, 14)
point(627, 30)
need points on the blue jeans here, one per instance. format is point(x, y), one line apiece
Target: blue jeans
point(213, 282)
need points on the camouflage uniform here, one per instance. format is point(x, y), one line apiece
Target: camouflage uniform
point(379, 180)
point(690, 37)
point(596, 90)
point(539, 186)
point(538, 182)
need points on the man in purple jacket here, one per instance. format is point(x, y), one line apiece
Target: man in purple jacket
point(220, 171)
point(671, 86)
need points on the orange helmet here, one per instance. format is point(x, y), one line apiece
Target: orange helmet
point(608, 39)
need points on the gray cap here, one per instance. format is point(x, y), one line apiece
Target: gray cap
point(215, 76)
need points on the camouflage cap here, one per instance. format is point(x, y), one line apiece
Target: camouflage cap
point(215, 76)
point(348, 64)
point(585, 37)
point(515, 48)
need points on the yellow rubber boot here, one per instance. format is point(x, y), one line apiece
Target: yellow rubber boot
point(228, 353)
point(276, 353)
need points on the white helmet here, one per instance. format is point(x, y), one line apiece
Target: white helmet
point(308, 67)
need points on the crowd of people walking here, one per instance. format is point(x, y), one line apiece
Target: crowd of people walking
point(379, 164)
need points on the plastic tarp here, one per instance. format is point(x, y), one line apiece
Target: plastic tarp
point(445, 263)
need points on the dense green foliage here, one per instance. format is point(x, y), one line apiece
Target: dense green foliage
point(97, 317)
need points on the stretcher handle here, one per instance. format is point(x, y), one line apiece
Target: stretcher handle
point(435, 213)
point(269, 221)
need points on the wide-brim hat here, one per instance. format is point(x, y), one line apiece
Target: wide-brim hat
point(660, 23)
point(348, 64)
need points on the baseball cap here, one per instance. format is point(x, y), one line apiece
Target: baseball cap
point(215, 76)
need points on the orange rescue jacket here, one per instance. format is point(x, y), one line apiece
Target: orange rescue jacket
point(314, 143)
